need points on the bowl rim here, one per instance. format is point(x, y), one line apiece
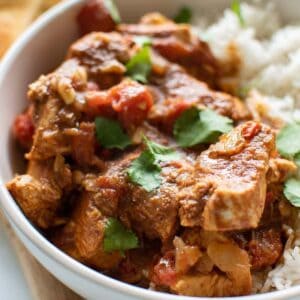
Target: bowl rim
point(15, 215)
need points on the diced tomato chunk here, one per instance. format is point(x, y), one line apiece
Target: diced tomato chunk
point(177, 109)
point(132, 101)
point(23, 129)
point(99, 104)
point(128, 101)
point(251, 130)
point(94, 16)
point(164, 273)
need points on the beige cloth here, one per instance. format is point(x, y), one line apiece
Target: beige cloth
point(16, 15)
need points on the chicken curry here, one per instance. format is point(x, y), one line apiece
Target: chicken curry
point(140, 167)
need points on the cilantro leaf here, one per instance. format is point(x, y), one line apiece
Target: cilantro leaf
point(145, 170)
point(292, 191)
point(160, 152)
point(142, 40)
point(215, 125)
point(113, 10)
point(288, 141)
point(187, 126)
point(110, 134)
point(184, 15)
point(195, 126)
point(139, 66)
point(297, 159)
point(118, 237)
point(236, 8)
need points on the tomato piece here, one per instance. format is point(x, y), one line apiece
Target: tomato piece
point(176, 109)
point(132, 101)
point(164, 273)
point(251, 130)
point(99, 104)
point(94, 16)
point(128, 101)
point(23, 129)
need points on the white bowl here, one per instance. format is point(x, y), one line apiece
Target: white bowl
point(39, 50)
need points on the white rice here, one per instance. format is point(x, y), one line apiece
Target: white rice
point(270, 63)
point(269, 52)
point(287, 273)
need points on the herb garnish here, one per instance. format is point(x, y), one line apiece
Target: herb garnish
point(110, 134)
point(139, 66)
point(236, 8)
point(292, 191)
point(297, 159)
point(113, 10)
point(118, 238)
point(145, 170)
point(288, 145)
point(288, 141)
point(184, 15)
point(196, 126)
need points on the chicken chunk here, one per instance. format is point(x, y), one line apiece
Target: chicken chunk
point(83, 236)
point(104, 56)
point(61, 83)
point(38, 200)
point(83, 143)
point(39, 192)
point(151, 214)
point(233, 180)
point(49, 139)
point(154, 214)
